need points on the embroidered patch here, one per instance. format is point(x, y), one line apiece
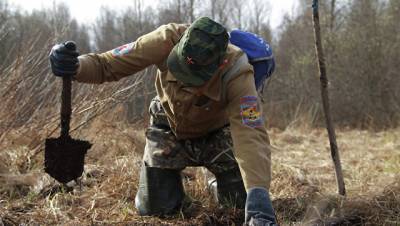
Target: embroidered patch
point(123, 50)
point(249, 110)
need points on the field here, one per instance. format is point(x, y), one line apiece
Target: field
point(361, 41)
point(303, 186)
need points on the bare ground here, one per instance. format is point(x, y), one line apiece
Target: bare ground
point(303, 186)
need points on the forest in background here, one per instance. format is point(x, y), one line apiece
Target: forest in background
point(361, 40)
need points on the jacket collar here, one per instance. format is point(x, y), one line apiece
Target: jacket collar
point(212, 90)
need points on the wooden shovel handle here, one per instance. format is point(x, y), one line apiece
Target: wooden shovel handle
point(66, 106)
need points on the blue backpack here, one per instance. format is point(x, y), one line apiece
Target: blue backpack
point(259, 54)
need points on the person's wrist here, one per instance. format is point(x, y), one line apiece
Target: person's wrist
point(78, 70)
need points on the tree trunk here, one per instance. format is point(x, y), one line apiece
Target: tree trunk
point(325, 101)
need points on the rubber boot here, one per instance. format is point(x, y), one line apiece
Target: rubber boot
point(259, 211)
point(160, 191)
point(230, 189)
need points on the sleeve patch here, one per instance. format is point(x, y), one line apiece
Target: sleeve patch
point(123, 50)
point(250, 112)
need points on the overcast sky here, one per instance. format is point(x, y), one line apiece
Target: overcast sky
point(87, 10)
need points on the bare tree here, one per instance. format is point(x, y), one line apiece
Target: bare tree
point(238, 10)
point(258, 11)
point(258, 14)
point(220, 10)
point(332, 15)
point(191, 4)
point(106, 34)
point(170, 11)
point(138, 6)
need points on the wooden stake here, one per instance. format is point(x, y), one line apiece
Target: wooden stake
point(325, 100)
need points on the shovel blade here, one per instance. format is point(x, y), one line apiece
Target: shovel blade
point(64, 158)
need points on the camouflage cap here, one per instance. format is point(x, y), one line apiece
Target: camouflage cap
point(200, 51)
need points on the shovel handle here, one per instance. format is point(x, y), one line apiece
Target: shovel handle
point(66, 108)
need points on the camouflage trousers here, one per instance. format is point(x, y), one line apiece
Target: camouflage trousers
point(213, 151)
point(160, 189)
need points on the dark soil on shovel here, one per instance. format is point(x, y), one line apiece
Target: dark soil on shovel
point(65, 157)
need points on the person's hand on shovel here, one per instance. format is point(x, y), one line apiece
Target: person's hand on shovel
point(64, 156)
point(64, 59)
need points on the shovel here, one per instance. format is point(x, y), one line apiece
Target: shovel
point(64, 157)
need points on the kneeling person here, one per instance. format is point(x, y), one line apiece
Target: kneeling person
point(197, 118)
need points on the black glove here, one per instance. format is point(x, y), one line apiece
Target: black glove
point(64, 59)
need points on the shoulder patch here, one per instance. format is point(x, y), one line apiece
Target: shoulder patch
point(123, 50)
point(250, 112)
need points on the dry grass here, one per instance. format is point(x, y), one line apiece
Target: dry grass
point(303, 168)
point(303, 185)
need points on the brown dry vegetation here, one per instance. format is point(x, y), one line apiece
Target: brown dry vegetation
point(303, 186)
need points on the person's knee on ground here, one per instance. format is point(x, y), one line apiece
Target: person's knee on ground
point(228, 189)
point(160, 191)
